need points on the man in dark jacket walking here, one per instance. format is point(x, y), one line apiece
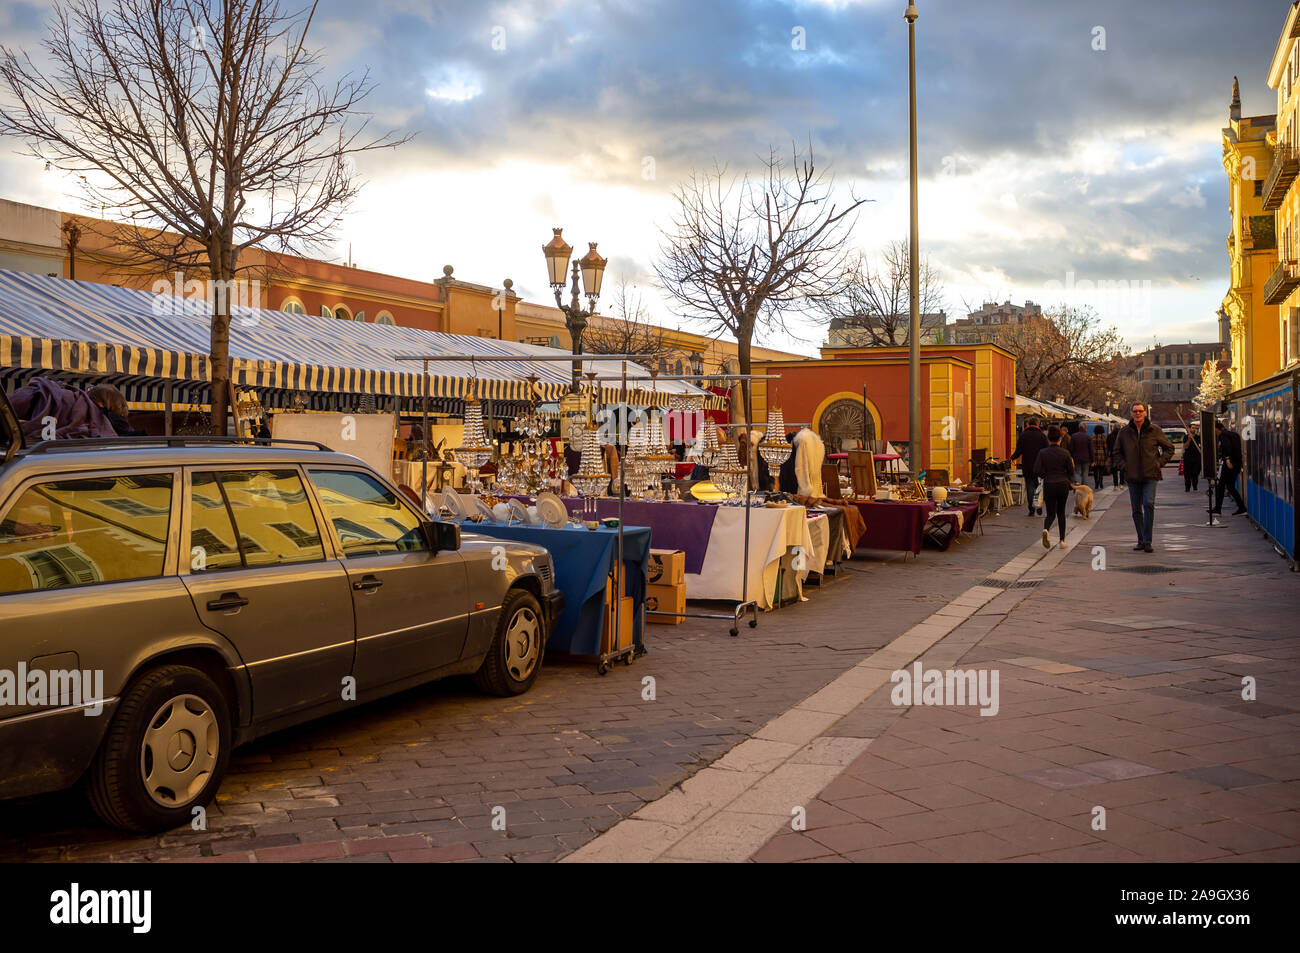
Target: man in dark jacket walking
point(1229, 443)
point(1142, 448)
point(1029, 444)
point(1081, 451)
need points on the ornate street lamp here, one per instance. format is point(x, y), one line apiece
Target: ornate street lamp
point(592, 268)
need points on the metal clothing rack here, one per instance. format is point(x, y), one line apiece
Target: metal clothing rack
point(745, 604)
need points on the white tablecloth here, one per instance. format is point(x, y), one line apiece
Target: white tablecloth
point(819, 529)
point(772, 534)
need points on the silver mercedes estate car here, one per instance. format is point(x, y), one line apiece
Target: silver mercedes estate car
point(165, 599)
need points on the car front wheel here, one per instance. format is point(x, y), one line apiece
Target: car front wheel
point(515, 657)
point(165, 752)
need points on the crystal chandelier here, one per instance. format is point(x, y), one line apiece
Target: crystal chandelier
point(637, 474)
point(726, 472)
point(592, 476)
point(659, 460)
point(475, 450)
point(707, 443)
point(773, 448)
point(686, 403)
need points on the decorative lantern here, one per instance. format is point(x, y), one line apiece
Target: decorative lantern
point(557, 252)
point(593, 270)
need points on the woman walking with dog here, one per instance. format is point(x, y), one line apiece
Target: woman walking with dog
point(1056, 467)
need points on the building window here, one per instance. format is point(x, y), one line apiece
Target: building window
point(383, 317)
point(1259, 187)
point(292, 306)
point(342, 312)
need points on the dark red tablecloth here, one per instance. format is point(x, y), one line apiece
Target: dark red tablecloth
point(894, 525)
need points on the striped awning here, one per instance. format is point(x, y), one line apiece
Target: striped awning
point(142, 340)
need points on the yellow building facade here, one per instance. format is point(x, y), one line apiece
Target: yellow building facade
point(1251, 304)
point(1277, 341)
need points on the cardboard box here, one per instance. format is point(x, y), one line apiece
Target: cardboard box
point(667, 567)
point(668, 599)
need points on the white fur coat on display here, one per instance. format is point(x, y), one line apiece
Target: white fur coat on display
point(809, 454)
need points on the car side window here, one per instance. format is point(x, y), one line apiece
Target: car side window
point(80, 531)
point(369, 519)
point(249, 519)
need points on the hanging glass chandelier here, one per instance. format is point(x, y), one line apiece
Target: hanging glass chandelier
point(475, 449)
point(726, 472)
point(773, 448)
point(592, 477)
point(707, 443)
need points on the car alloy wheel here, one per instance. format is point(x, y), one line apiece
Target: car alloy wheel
point(179, 751)
point(523, 639)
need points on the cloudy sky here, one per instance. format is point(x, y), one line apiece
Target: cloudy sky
point(1060, 143)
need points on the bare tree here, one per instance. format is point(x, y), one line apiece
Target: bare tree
point(1065, 352)
point(742, 252)
point(628, 330)
point(873, 305)
point(205, 125)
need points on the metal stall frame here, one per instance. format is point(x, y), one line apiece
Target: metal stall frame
point(746, 604)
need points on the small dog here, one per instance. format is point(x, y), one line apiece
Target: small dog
point(1082, 500)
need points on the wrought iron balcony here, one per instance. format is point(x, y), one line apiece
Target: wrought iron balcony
point(1286, 164)
point(1285, 278)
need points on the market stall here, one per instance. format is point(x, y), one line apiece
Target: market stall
point(584, 562)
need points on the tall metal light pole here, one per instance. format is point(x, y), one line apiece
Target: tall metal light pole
point(914, 350)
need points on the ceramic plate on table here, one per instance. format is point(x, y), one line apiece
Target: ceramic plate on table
point(482, 511)
point(456, 511)
point(552, 510)
point(519, 512)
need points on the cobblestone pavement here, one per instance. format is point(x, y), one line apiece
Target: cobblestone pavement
point(1120, 690)
point(417, 776)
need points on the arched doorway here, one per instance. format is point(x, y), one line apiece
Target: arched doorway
point(844, 419)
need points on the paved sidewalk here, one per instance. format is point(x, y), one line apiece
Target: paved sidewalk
point(1121, 692)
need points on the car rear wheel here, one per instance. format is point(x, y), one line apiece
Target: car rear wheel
point(165, 752)
point(515, 657)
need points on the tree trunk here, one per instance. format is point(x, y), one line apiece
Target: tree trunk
point(221, 270)
point(746, 387)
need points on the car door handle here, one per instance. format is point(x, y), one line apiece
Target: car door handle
point(226, 602)
point(367, 583)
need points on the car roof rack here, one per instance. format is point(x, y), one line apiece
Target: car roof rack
point(74, 444)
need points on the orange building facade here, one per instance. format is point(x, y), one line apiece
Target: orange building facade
point(967, 399)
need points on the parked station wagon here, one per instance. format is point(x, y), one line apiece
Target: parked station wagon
point(172, 598)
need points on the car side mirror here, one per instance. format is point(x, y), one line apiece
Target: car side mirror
point(441, 536)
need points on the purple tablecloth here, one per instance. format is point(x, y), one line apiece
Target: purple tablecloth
point(684, 526)
point(894, 525)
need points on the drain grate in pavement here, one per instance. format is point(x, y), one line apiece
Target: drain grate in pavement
point(1149, 570)
point(994, 583)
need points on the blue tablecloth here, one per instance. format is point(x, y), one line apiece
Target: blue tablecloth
point(583, 560)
